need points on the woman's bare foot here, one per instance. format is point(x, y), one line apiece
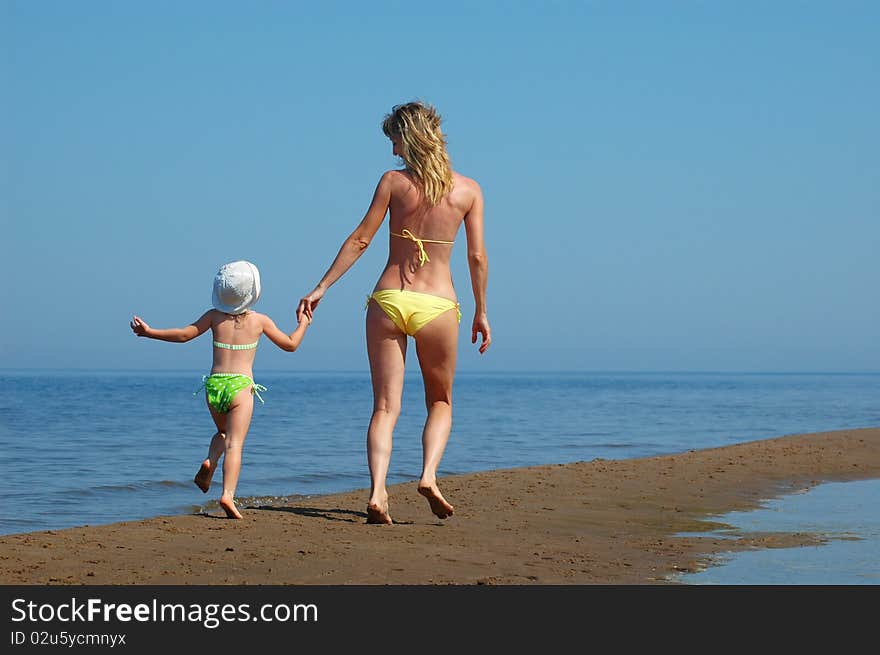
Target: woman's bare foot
point(377, 512)
point(438, 503)
point(228, 506)
point(203, 477)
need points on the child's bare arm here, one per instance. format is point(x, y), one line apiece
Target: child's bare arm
point(176, 335)
point(288, 342)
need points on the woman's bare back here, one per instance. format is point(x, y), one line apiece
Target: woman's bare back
point(404, 269)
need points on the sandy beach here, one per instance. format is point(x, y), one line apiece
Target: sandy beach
point(597, 522)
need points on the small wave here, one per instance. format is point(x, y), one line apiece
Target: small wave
point(247, 502)
point(143, 485)
point(627, 446)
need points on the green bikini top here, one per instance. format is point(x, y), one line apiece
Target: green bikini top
point(231, 346)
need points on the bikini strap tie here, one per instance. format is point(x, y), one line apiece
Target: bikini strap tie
point(204, 380)
point(423, 256)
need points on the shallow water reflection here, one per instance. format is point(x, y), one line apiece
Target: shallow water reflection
point(846, 513)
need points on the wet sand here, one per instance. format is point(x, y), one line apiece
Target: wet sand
point(599, 522)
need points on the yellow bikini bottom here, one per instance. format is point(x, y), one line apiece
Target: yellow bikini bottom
point(411, 310)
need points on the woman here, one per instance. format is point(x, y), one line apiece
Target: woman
point(427, 202)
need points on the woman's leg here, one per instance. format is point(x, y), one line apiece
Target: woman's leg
point(238, 421)
point(437, 348)
point(215, 451)
point(386, 349)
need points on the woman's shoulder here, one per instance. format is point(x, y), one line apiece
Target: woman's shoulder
point(396, 181)
point(395, 175)
point(465, 183)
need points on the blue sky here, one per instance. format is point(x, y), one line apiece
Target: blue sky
point(681, 186)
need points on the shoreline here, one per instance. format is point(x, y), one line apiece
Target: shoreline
point(593, 522)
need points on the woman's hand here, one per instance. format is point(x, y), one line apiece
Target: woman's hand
point(307, 304)
point(481, 326)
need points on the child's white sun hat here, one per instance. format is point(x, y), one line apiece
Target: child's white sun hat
point(236, 287)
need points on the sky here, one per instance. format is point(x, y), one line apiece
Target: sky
point(675, 186)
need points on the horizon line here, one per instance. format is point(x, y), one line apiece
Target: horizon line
point(366, 371)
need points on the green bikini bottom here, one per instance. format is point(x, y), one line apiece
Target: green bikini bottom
point(221, 389)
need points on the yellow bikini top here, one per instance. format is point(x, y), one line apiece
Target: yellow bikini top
point(423, 256)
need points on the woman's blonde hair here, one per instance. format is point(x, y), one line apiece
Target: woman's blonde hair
point(422, 147)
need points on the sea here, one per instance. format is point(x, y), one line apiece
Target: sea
point(97, 447)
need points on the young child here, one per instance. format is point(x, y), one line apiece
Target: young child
point(236, 330)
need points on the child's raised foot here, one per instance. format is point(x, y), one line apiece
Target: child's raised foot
point(203, 477)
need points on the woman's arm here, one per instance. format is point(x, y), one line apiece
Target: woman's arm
point(478, 265)
point(175, 335)
point(289, 342)
point(352, 248)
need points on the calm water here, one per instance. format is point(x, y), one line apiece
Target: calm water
point(846, 514)
point(100, 447)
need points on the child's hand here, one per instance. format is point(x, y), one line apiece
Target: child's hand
point(138, 326)
point(309, 303)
